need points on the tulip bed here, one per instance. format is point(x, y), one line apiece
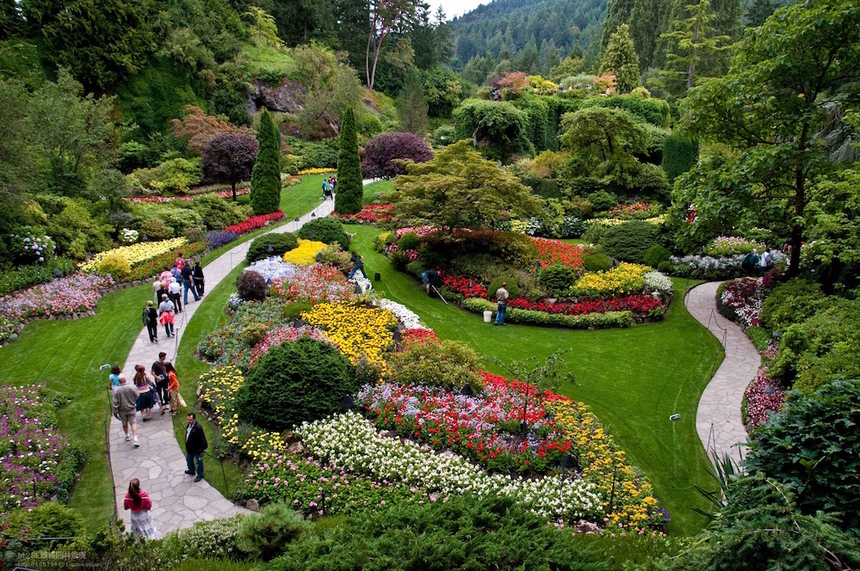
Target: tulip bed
point(36, 462)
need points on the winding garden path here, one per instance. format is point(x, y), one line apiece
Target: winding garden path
point(159, 463)
point(718, 418)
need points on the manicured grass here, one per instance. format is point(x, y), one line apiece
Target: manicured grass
point(66, 355)
point(633, 379)
point(374, 189)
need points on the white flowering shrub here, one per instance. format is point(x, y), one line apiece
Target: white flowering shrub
point(129, 236)
point(659, 282)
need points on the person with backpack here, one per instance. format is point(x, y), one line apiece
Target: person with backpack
point(150, 319)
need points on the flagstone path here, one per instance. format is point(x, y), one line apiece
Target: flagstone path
point(718, 418)
point(159, 462)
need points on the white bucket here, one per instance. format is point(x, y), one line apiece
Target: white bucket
point(488, 316)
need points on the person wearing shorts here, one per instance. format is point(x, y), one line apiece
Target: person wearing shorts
point(125, 407)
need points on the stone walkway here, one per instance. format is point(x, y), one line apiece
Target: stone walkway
point(718, 418)
point(159, 463)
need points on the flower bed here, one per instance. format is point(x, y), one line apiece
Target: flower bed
point(284, 335)
point(763, 397)
point(369, 214)
point(730, 245)
point(273, 268)
point(712, 268)
point(255, 222)
point(36, 462)
point(306, 253)
point(317, 170)
point(552, 251)
point(350, 441)
point(134, 254)
point(744, 296)
point(464, 286)
point(407, 317)
point(636, 211)
point(417, 230)
point(637, 304)
point(621, 280)
point(359, 332)
point(158, 264)
point(314, 284)
point(530, 317)
point(226, 344)
point(206, 191)
point(66, 296)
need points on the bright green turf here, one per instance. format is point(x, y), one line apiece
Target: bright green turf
point(633, 379)
point(372, 190)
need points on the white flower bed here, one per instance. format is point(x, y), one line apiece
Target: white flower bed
point(349, 440)
point(273, 268)
point(407, 317)
point(658, 281)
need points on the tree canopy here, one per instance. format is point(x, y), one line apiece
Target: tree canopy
point(230, 158)
point(460, 189)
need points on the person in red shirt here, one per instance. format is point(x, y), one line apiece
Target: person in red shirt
point(139, 503)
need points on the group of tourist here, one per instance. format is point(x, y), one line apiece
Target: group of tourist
point(328, 186)
point(168, 296)
point(160, 387)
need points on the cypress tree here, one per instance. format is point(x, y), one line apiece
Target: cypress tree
point(620, 58)
point(266, 176)
point(350, 192)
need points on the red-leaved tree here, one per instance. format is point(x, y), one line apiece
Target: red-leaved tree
point(382, 150)
point(229, 158)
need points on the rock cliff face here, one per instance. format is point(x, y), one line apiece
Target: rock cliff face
point(284, 98)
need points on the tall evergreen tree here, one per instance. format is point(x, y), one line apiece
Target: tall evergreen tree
point(266, 176)
point(759, 11)
point(350, 192)
point(617, 13)
point(648, 19)
point(620, 58)
point(444, 46)
point(412, 106)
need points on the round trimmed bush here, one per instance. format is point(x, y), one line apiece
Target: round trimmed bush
point(280, 244)
point(328, 230)
point(596, 262)
point(303, 380)
point(513, 288)
point(557, 278)
point(115, 265)
point(408, 241)
point(656, 255)
point(252, 286)
point(629, 241)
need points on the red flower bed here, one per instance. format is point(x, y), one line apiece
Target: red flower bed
point(635, 303)
point(505, 428)
point(254, 222)
point(370, 214)
point(411, 336)
point(763, 398)
point(158, 264)
point(551, 251)
point(465, 286)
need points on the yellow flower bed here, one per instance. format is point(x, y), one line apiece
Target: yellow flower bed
point(135, 253)
point(657, 220)
point(359, 332)
point(306, 253)
point(622, 279)
point(601, 460)
point(316, 171)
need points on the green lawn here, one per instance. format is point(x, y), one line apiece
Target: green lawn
point(633, 379)
point(378, 188)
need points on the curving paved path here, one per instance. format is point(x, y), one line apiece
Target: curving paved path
point(718, 418)
point(159, 463)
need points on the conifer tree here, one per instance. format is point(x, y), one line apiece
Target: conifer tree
point(620, 58)
point(266, 176)
point(350, 191)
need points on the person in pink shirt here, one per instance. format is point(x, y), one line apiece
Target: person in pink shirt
point(139, 503)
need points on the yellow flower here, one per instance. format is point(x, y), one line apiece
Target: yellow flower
point(306, 253)
point(135, 253)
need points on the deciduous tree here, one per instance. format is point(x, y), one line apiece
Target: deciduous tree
point(230, 158)
point(385, 16)
point(382, 150)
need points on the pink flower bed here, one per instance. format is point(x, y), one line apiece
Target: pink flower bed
point(419, 230)
point(370, 214)
point(763, 397)
point(255, 222)
point(186, 198)
point(316, 283)
point(745, 296)
point(638, 304)
point(284, 335)
point(77, 293)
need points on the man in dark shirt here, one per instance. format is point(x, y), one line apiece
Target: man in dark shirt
point(195, 446)
point(161, 380)
point(188, 283)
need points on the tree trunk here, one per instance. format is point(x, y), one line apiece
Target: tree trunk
point(234, 192)
point(799, 204)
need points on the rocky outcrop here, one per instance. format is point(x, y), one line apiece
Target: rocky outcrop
point(284, 98)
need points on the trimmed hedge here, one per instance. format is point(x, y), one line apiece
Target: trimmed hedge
point(530, 317)
point(328, 230)
point(280, 244)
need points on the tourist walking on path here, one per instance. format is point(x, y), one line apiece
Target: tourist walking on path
point(146, 397)
point(125, 407)
point(114, 376)
point(357, 264)
point(195, 446)
point(158, 289)
point(175, 291)
point(150, 319)
point(188, 283)
point(173, 389)
point(199, 279)
point(159, 375)
point(165, 315)
point(139, 503)
point(502, 301)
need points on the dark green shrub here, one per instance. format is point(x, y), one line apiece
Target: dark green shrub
point(252, 286)
point(629, 241)
point(447, 364)
point(679, 155)
point(350, 189)
point(759, 337)
point(656, 255)
point(155, 229)
point(27, 276)
point(602, 200)
point(596, 262)
point(579, 206)
point(791, 303)
point(812, 447)
point(667, 268)
point(280, 244)
point(408, 241)
point(293, 311)
point(398, 260)
point(500, 129)
point(416, 268)
point(512, 287)
point(328, 230)
point(303, 380)
point(267, 534)
point(216, 212)
point(557, 278)
point(51, 519)
point(253, 333)
point(266, 175)
point(194, 234)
